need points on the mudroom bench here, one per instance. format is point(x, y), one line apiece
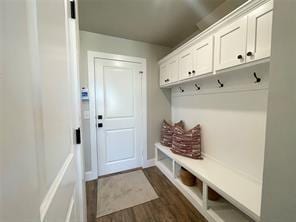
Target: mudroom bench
point(240, 196)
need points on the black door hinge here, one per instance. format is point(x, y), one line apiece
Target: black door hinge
point(77, 136)
point(73, 12)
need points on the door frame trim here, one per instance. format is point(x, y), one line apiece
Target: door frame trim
point(92, 55)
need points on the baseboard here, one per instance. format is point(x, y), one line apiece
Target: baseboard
point(149, 163)
point(89, 176)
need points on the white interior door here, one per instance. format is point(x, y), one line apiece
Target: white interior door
point(118, 108)
point(64, 195)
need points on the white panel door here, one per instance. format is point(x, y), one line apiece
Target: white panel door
point(259, 32)
point(173, 68)
point(186, 64)
point(230, 44)
point(118, 108)
point(60, 105)
point(203, 57)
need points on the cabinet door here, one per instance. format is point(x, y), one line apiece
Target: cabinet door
point(230, 44)
point(163, 74)
point(203, 57)
point(185, 64)
point(173, 69)
point(259, 32)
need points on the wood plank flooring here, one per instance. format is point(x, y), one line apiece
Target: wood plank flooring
point(171, 206)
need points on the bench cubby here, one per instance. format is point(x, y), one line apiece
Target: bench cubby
point(240, 196)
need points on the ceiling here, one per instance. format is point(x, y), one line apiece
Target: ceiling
point(162, 22)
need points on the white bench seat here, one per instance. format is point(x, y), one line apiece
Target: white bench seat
point(241, 191)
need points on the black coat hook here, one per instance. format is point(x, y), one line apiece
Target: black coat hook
point(220, 84)
point(182, 90)
point(257, 78)
point(197, 86)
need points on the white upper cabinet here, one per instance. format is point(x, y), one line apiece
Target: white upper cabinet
point(186, 64)
point(163, 75)
point(259, 32)
point(172, 67)
point(169, 71)
point(242, 37)
point(203, 57)
point(230, 44)
point(246, 40)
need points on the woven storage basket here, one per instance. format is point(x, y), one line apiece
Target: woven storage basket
point(212, 195)
point(187, 178)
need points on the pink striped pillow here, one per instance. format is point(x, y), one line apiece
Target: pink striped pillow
point(167, 132)
point(187, 143)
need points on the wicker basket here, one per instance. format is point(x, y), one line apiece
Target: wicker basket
point(212, 195)
point(187, 178)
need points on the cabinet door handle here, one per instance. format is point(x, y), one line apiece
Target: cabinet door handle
point(189, 73)
point(193, 71)
point(239, 57)
point(167, 80)
point(249, 54)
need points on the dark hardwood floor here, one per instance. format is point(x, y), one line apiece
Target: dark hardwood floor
point(171, 206)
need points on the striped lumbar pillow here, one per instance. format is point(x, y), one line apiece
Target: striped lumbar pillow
point(187, 143)
point(167, 132)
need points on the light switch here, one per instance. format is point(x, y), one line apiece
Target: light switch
point(86, 114)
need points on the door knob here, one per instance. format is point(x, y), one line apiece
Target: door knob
point(249, 54)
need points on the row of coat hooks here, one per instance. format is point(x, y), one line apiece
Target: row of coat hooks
point(220, 84)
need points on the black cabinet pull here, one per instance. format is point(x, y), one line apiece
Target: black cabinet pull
point(240, 57)
point(167, 80)
point(249, 54)
point(100, 125)
point(100, 116)
point(189, 73)
point(78, 136)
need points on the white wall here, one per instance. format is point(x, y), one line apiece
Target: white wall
point(19, 173)
point(1, 104)
point(158, 100)
point(232, 121)
point(1, 143)
point(219, 12)
point(279, 182)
